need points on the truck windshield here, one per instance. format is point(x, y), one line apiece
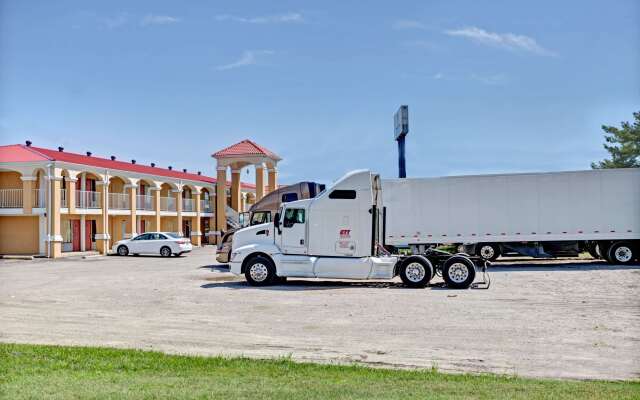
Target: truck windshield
point(260, 217)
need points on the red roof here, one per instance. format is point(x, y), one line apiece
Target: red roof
point(245, 148)
point(19, 153)
point(22, 153)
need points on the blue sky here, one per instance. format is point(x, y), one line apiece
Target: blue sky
point(492, 86)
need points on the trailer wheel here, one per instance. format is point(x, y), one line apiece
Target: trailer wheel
point(416, 271)
point(259, 271)
point(458, 272)
point(488, 251)
point(621, 253)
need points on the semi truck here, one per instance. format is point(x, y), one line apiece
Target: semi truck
point(355, 228)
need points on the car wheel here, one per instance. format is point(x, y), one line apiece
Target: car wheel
point(165, 251)
point(259, 271)
point(489, 252)
point(458, 272)
point(416, 271)
point(123, 250)
point(621, 253)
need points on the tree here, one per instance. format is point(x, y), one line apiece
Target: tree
point(623, 144)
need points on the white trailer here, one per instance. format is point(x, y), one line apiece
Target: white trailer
point(338, 234)
point(535, 214)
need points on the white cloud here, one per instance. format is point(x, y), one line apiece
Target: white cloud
point(117, 21)
point(508, 41)
point(151, 19)
point(290, 17)
point(408, 24)
point(438, 76)
point(249, 57)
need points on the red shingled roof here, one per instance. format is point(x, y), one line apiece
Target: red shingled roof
point(245, 148)
point(22, 153)
point(19, 153)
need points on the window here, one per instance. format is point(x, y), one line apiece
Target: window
point(173, 235)
point(293, 216)
point(343, 194)
point(260, 217)
point(160, 237)
point(287, 197)
point(146, 236)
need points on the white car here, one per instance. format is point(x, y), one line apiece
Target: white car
point(163, 243)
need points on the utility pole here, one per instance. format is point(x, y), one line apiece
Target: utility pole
point(401, 125)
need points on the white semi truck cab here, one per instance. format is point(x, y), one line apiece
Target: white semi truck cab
point(339, 234)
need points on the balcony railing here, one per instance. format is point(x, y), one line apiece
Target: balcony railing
point(37, 198)
point(167, 203)
point(63, 198)
point(87, 199)
point(187, 205)
point(205, 206)
point(11, 198)
point(144, 202)
point(119, 201)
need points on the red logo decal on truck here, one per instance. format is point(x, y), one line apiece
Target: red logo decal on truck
point(345, 233)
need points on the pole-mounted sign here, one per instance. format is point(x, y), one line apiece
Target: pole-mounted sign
point(401, 122)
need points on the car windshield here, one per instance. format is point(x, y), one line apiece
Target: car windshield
point(173, 235)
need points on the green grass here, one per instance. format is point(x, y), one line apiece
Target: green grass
point(52, 372)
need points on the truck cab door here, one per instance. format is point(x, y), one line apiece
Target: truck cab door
point(293, 233)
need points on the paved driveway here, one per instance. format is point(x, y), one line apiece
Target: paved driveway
point(555, 319)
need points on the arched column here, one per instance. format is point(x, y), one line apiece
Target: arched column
point(221, 199)
point(236, 202)
point(273, 178)
point(259, 181)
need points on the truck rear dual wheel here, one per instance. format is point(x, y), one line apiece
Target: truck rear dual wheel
point(416, 271)
point(458, 272)
point(260, 271)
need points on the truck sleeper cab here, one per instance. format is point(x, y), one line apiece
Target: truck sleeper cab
point(337, 235)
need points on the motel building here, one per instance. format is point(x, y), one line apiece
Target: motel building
point(55, 203)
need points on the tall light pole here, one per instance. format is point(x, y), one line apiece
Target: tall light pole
point(401, 125)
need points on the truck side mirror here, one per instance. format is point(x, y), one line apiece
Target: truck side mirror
point(276, 222)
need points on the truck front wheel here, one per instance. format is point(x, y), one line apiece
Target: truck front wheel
point(259, 271)
point(416, 271)
point(458, 272)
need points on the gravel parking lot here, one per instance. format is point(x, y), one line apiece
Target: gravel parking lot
point(567, 318)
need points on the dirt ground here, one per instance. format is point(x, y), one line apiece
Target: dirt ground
point(563, 318)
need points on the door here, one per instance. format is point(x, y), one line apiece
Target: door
point(294, 232)
point(88, 234)
point(186, 228)
point(75, 234)
point(139, 243)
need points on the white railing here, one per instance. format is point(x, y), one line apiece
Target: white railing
point(87, 199)
point(63, 198)
point(167, 203)
point(144, 202)
point(37, 199)
point(10, 198)
point(205, 206)
point(119, 201)
point(187, 205)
